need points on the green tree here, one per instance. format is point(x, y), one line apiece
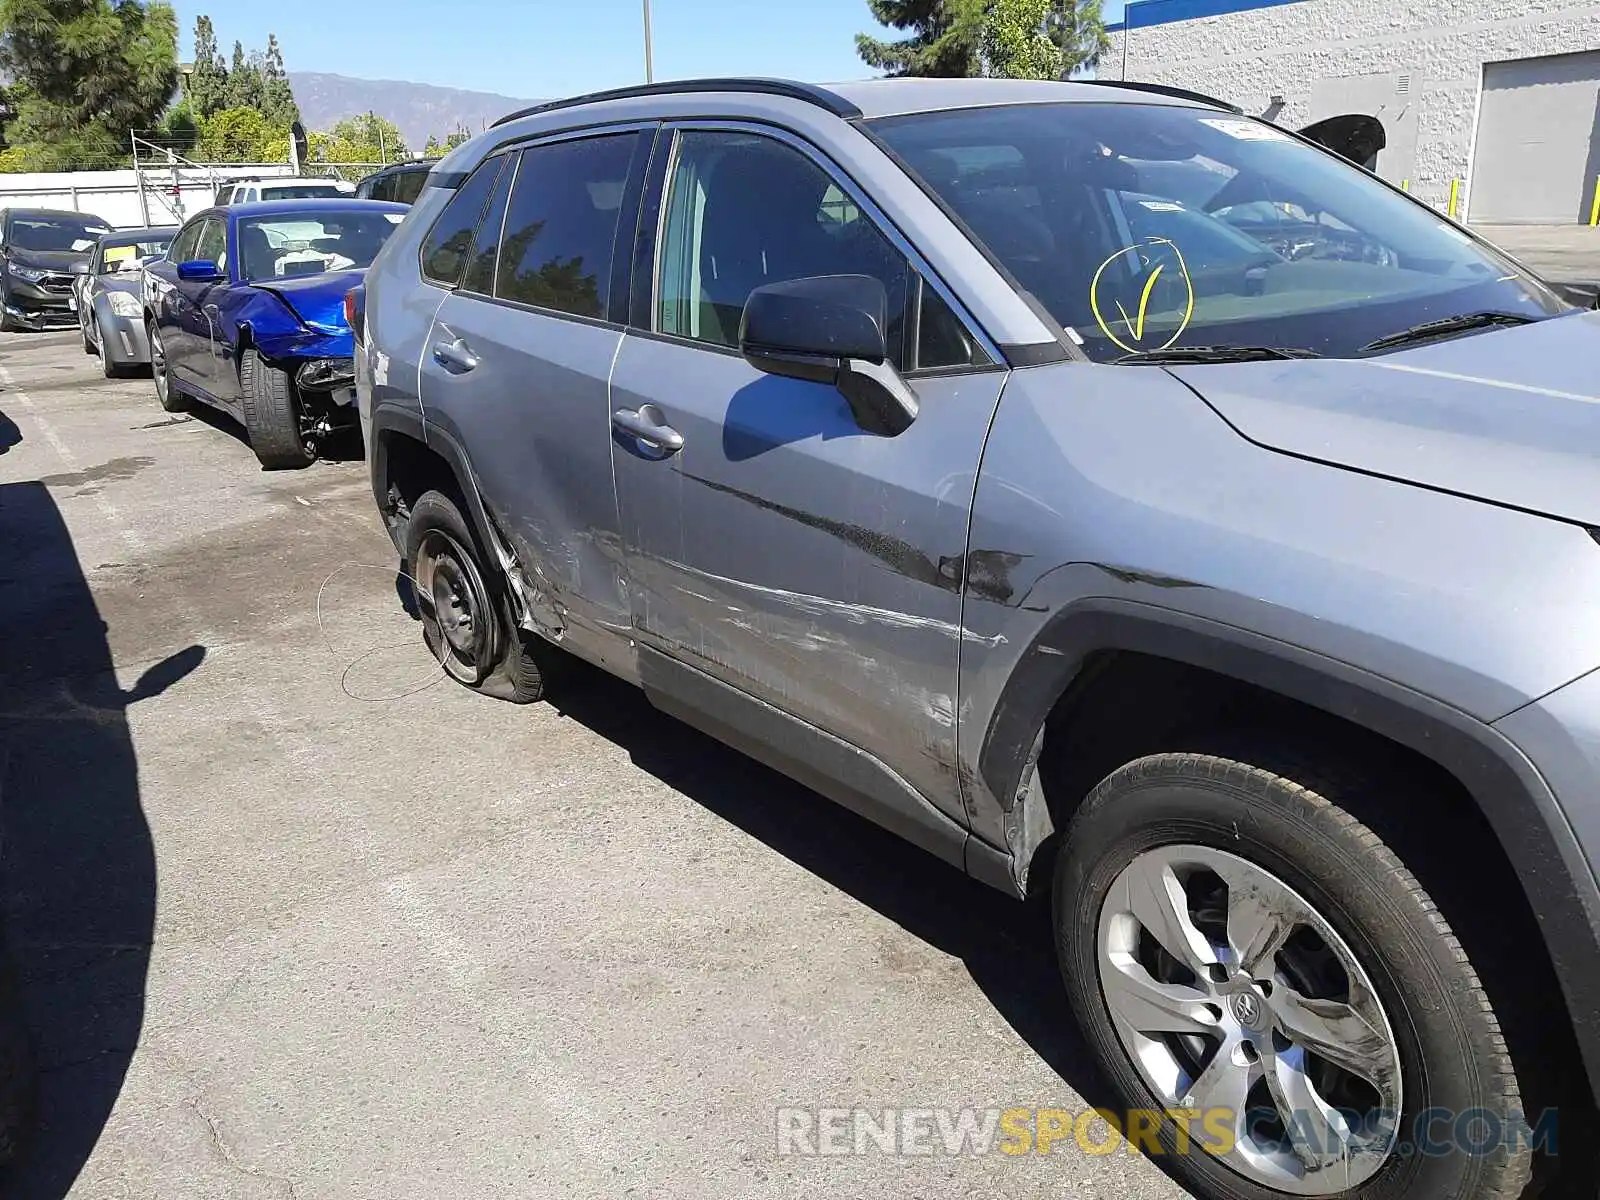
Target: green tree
point(438, 149)
point(247, 84)
point(84, 73)
point(180, 128)
point(207, 86)
point(1078, 29)
point(277, 98)
point(945, 37)
point(1017, 43)
point(243, 135)
point(365, 139)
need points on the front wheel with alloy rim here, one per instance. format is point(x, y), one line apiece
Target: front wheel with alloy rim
point(1244, 952)
point(466, 618)
point(171, 399)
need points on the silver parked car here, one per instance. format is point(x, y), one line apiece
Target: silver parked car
point(1124, 499)
point(109, 297)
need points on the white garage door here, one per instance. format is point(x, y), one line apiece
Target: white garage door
point(1537, 156)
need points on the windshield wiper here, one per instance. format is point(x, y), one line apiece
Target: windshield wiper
point(1461, 323)
point(1215, 354)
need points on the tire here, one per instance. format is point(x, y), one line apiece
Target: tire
point(1423, 1031)
point(88, 345)
point(466, 616)
point(170, 398)
point(272, 416)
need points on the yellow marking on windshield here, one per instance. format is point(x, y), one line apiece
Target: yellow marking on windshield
point(1135, 328)
point(1144, 301)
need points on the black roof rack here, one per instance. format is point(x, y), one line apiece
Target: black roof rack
point(806, 92)
point(1161, 89)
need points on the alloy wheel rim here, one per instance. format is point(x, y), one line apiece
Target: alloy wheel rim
point(1232, 995)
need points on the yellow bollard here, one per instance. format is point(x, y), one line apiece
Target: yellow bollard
point(1405, 185)
point(1594, 209)
point(1455, 185)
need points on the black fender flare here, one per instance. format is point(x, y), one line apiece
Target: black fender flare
point(1517, 801)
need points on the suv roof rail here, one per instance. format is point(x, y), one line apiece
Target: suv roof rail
point(1161, 89)
point(809, 93)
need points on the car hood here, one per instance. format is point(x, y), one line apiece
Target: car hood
point(65, 261)
point(318, 300)
point(1511, 416)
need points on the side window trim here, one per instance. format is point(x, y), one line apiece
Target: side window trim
point(919, 265)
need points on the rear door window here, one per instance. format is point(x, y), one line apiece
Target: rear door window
point(561, 224)
point(449, 243)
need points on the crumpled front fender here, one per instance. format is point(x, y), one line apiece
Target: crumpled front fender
point(277, 333)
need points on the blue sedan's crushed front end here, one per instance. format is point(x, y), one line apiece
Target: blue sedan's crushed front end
point(298, 325)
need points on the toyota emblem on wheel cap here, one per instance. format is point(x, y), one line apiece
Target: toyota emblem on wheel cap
point(1247, 1008)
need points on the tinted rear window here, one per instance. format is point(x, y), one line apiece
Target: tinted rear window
point(300, 191)
point(407, 186)
point(561, 224)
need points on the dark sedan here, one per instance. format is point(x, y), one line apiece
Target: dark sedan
point(42, 251)
point(108, 298)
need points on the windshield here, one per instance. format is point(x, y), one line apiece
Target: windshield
point(47, 233)
point(119, 255)
point(310, 243)
point(300, 191)
point(1143, 227)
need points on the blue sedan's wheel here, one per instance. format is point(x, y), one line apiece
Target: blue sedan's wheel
point(172, 400)
point(272, 415)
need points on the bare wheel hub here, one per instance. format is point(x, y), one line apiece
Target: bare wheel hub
point(457, 611)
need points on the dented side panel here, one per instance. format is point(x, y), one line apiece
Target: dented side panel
point(1117, 487)
point(815, 567)
point(533, 414)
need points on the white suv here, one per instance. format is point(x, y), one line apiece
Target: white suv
point(245, 191)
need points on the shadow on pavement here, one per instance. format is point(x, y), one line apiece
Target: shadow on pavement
point(343, 446)
point(78, 863)
point(10, 435)
point(1006, 945)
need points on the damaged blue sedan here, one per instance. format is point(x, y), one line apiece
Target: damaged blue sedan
point(246, 314)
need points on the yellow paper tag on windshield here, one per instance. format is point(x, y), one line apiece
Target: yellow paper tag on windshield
point(120, 254)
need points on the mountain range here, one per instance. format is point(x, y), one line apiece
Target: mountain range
point(418, 110)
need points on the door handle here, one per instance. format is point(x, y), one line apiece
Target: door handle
point(454, 356)
point(647, 424)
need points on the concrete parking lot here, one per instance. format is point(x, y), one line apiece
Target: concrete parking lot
point(297, 919)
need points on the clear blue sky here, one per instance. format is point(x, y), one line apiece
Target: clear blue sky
point(543, 48)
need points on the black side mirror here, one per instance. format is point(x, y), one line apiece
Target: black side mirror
point(830, 329)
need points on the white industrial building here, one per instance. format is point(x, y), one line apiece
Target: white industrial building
point(1505, 101)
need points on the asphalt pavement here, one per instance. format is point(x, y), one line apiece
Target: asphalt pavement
point(296, 918)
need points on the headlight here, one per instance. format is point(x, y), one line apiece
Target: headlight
point(124, 304)
point(31, 274)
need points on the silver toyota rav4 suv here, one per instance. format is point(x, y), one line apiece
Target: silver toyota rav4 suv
point(1126, 500)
